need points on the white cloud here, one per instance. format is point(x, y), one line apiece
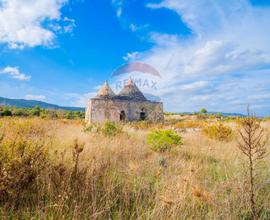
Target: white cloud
point(195, 86)
point(15, 73)
point(119, 12)
point(217, 57)
point(133, 27)
point(31, 23)
point(228, 41)
point(80, 100)
point(131, 56)
point(35, 97)
point(119, 7)
point(70, 24)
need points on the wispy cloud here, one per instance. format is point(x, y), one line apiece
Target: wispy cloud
point(15, 73)
point(133, 27)
point(32, 23)
point(80, 100)
point(118, 4)
point(195, 86)
point(222, 64)
point(229, 39)
point(131, 56)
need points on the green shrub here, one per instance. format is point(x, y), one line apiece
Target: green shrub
point(20, 113)
point(108, 129)
point(163, 140)
point(69, 115)
point(6, 112)
point(35, 111)
point(218, 132)
point(111, 129)
point(203, 111)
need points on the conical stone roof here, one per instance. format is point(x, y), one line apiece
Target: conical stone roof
point(131, 92)
point(105, 91)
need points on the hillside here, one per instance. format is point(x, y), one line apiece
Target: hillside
point(22, 103)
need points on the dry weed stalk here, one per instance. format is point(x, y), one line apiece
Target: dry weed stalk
point(253, 144)
point(78, 149)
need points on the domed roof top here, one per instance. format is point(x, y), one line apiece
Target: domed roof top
point(131, 91)
point(105, 91)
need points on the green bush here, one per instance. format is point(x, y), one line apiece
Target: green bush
point(6, 112)
point(218, 132)
point(203, 111)
point(69, 115)
point(163, 140)
point(111, 129)
point(20, 113)
point(35, 111)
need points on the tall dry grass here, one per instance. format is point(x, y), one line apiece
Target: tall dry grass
point(52, 169)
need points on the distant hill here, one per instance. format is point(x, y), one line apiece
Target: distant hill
point(227, 114)
point(22, 103)
point(215, 113)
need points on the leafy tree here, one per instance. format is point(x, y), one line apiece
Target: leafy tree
point(20, 112)
point(69, 115)
point(6, 112)
point(219, 115)
point(203, 111)
point(43, 113)
point(78, 114)
point(36, 111)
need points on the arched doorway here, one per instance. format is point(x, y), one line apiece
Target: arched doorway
point(142, 115)
point(122, 116)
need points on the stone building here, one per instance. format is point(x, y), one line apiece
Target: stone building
point(129, 105)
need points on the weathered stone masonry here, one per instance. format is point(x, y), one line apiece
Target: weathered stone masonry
point(129, 105)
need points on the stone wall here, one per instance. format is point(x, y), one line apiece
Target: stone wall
point(100, 110)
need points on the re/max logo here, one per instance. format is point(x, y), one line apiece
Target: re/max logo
point(144, 83)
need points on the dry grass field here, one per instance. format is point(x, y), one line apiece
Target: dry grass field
point(59, 169)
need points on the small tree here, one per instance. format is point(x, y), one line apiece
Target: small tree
point(219, 115)
point(20, 112)
point(36, 111)
point(69, 115)
point(252, 143)
point(6, 112)
point(203, 111)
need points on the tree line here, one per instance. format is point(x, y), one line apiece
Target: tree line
point(8, 111)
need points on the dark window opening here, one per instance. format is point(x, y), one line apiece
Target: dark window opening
point(122, 116)
point(142, 115)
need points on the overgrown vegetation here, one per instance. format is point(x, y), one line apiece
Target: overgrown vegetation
point(218, 131)
point(163, 140)
point(111, 129)
point(107, 129)
point(51, 169)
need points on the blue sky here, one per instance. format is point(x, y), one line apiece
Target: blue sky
point(212, 54)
